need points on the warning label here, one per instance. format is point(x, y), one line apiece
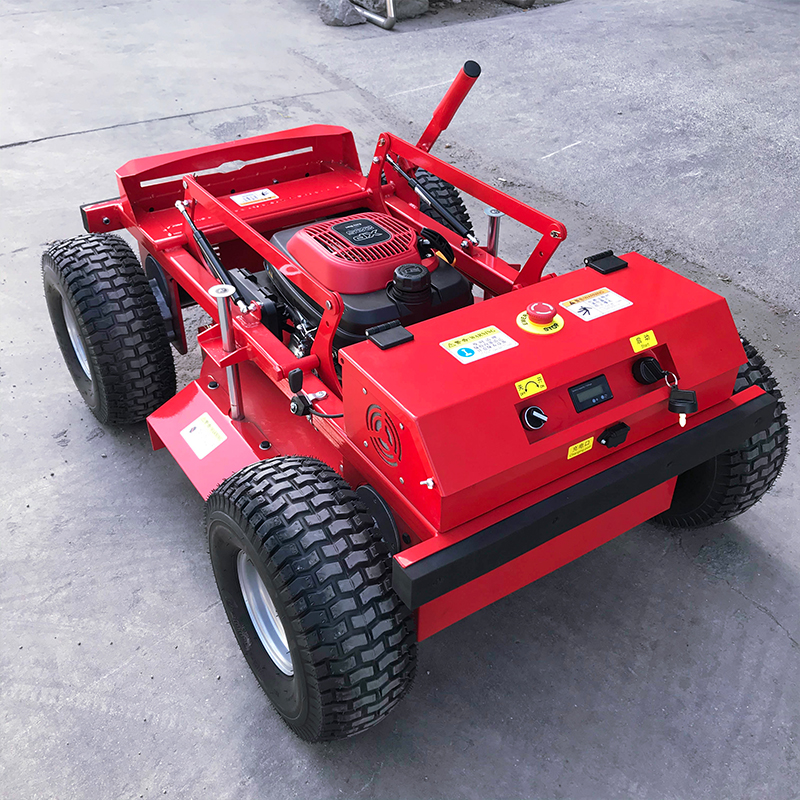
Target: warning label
point(582, 447)
point(203, 435)
point(644, 341)
point(595, 304)
point(251, 198)
point(478, 344)
point(531, 386)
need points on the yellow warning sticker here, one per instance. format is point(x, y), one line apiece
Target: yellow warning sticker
point(644, 341)
point(203, 435)
point(595, 304)
point(530, 386)
point(478, 344)
point(582, 447)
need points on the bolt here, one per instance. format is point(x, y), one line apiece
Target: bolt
point(402, 428)
point(213, 385)
point(401, 480)
point(464, 244)
point(364, 391)
point(328, 305)
point(265, 445)
point(375, 159)
point(106, 221)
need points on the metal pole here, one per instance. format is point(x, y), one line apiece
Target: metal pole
point(493, 237)
point(222, 294)
point(387, 22)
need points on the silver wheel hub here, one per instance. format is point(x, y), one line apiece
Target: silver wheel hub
point(75, 337)
point(263, 614)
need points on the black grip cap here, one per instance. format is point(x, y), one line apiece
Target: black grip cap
point(472, 69)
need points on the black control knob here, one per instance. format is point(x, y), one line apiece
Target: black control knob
point(412, 284)
point(647, 370)
point(533, 418)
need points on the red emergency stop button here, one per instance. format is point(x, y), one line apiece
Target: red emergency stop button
point(541, 313)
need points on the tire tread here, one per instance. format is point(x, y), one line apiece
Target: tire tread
point(121, 323)
point(333, 574)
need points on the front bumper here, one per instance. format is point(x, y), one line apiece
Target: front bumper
point(443, 571)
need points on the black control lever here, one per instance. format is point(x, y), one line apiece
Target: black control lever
point(300, 404)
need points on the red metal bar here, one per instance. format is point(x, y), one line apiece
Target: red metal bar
point(450, 103)
point(329, 301)
point(491, 272)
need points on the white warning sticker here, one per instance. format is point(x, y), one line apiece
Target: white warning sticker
point(595, 304)
point(478, 344)
point(203, 435)
point(251, 198)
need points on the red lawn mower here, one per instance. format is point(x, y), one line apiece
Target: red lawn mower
point(393, 427)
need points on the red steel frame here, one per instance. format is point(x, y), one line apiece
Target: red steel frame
point(316, 171)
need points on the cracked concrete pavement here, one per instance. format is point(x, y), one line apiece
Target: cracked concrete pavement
point(655, 667)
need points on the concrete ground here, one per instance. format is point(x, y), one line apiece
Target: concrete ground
point(656, 667)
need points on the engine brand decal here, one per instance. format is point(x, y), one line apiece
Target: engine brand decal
point(478, 344)
point(203, 435)
point(362, 232)
point(582, 447)
point(644, 341)
point(530, 386)
point(251, 198)
point(596, 304)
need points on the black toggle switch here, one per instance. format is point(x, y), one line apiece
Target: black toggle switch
point(615, 435)
point(647, 370)
point(533, 418)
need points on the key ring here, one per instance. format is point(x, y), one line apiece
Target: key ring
point(667, 376)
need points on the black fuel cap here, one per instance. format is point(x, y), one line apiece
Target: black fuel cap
point(412, 283)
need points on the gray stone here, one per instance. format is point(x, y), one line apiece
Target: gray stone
point(339, 13)
point(403, 9)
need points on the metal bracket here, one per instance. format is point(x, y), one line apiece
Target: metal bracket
point(387, 22)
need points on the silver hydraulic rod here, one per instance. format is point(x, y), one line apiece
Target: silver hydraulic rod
point(222, 293)
point(387, 22)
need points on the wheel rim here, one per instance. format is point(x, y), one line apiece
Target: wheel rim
point(263, 614)
point(75, 337)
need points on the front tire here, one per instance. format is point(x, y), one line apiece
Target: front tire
point(108, 326)
point(305, 580)
point(727, 485)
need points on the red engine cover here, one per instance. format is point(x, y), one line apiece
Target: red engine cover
point(355, 254)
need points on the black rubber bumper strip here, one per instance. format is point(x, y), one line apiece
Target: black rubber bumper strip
point(441, 572)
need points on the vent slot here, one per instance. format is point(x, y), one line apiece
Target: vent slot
point(402, 239)
point(383, 435)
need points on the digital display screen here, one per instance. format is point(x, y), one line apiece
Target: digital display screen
point(590, 393)
point(582, 395)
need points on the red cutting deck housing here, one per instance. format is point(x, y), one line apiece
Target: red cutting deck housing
point(433, 425)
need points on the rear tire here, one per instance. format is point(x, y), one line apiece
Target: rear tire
point(305, 580)
point(108, 326)
point(727, 485)
point(447, 195)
